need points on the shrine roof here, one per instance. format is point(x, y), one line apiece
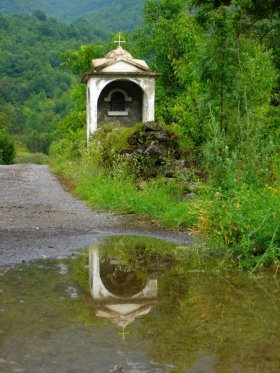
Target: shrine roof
point(119, 62)
point(117, 55)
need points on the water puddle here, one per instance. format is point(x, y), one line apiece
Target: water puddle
point(133, 304)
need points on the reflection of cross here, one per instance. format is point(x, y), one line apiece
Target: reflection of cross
point(123, 334)
point(119, 41)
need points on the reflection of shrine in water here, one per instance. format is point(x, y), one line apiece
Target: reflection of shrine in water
point(121, 295)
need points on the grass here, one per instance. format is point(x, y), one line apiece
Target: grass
point(23, 155)
point(102, 191)
point(245, 222)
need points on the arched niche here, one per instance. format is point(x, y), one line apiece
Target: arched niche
point(99, 84)
point(104, 286)
point(121, 102)
point(120, 281)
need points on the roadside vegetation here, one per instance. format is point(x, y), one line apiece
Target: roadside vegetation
point(219, 96)
point(24, 155)
point(7, 148)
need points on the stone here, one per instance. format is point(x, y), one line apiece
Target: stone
point(127, 152)
point(142, 185)
point(133, 139)
point(152, 126)
point(169, 172)
point(162, 136)
point(154, 151)
point(175, 167)
point(156, 146)
point(188, 196)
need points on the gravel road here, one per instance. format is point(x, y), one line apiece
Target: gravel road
point(39, 219)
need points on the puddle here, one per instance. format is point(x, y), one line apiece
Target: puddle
point(132, 305)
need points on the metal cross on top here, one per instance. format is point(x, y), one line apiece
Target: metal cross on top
point(119, 41)
point(124, 333)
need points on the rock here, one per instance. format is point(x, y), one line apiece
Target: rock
point(188, 196)
point(169, 172)
point(189, 187)
point(133, 139)
point(175, 167)
point(118, 368)
point(180, 163)
point(152, 126)
point(127, 152)
point(164, 138)
point(154, 151)
point(142, 185)
point(155, 146)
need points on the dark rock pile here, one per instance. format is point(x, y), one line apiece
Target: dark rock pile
point(155, 142)
point(157, 154)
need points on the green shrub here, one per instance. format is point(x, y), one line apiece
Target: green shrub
point(105, 150)
point(38, 142)
point(244, 223)
point(69, 147)
point(107, 143)
point(7, 149)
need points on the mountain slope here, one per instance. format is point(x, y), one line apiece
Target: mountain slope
point(113, 15)
point(120, 15)
point(33, 87)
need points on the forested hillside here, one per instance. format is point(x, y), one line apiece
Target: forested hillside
point(120, 15)
point(33, 87)
point(113, 15)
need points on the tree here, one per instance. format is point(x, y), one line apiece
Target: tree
point(216, 84)
point(7, 149)
point(41, 16)
point(79, 61)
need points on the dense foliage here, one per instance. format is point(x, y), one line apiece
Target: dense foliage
point(7, 149)
point(113, 15)
point(220, 88)
point(34, 90)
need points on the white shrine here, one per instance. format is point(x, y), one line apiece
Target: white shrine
point(120, 89)
point(112, 302)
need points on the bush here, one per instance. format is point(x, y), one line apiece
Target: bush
point(7, 149)
point(244, 223)
point(38, 142)
point(140, 152)
point(107, 143)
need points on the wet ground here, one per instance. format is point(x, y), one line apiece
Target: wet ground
point(133, 304)
point(39, 219)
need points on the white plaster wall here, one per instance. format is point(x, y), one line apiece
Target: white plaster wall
point(97, 83)
point(92, 85)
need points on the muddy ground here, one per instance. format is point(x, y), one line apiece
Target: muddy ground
point(39, 218)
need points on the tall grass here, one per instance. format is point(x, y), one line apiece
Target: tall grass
point(244, 223)
point(122, 195)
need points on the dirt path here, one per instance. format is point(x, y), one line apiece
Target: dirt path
point(38, 218)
